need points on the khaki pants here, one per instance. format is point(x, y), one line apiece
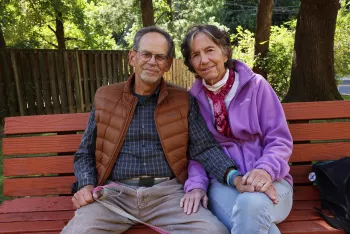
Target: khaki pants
point(158, 205)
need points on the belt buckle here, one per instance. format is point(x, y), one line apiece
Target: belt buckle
point(146, 181)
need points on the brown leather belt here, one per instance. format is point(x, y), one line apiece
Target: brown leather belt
point(144, 181)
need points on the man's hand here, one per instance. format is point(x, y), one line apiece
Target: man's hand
point(191, 200)
point(83, 197)
point(241, 187)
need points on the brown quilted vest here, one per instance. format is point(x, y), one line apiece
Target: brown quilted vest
point(114, 108)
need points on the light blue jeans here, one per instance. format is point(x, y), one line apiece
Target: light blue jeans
point(249, 212)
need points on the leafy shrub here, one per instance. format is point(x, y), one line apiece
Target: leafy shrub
point(277, 63)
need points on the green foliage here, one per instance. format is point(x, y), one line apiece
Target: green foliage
point(17, 28)
point(188, 13)
point(278, 61)
point(243, 13)
point(342, 42)
point(31, 24)
point(113, 19)
point(112, 24)
point(243, 46)
point(182, 15)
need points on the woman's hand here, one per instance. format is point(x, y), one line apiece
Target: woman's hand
point(262, 182)
point(191, 200)
point(259, 178)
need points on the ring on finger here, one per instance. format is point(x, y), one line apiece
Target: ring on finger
point(262, 182)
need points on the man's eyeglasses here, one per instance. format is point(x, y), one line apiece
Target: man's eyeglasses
point(146, 56)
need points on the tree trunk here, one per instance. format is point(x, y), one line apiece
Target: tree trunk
point(60, 31)
point(147, 13)
point(313, 77)
point(171, 10)
point(2, 39)
point(262, 34)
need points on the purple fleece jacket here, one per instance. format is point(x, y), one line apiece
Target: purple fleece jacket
point(261, 138)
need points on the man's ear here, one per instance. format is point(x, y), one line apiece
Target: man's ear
point(132, 55)
point(169, 63)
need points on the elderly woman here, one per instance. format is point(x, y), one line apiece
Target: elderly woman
point(246, 118)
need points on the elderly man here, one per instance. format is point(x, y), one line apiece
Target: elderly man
point(137, 139)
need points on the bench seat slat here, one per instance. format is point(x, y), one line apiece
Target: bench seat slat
point(41, 144)
point(307, 227)
point(320, 131)
point(64, 203)
point(296, 227)
point(316, 110)
point(31, 204)
point(289, 226)
point(37, 206)
point(56, 227)
point(320, 151)
point(302, 215)
point(46, 123)
point(38, 165)
point(29, 227)
point(67, 215)
point(37, 216)
point(38, 186)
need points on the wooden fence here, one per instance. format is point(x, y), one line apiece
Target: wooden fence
point(35, 82)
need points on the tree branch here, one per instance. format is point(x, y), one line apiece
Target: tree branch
point(73, 39)
point(51, 29)
point(54, 45)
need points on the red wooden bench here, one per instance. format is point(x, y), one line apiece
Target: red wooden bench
point(38, 167)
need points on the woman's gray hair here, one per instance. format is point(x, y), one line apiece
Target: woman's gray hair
point(139, 34)
point(219, 37)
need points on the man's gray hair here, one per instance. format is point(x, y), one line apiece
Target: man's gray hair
point(156, 29)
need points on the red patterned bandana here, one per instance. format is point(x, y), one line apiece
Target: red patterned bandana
point(220, 111)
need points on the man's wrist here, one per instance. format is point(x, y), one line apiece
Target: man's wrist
point(227, 171)
point(85, 182)
point(231, 175)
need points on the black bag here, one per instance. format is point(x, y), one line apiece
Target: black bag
point(333, 180)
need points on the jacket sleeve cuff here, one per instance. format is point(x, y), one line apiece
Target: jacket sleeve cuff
point(268, 170)
point(76, 186)
point(192, 186)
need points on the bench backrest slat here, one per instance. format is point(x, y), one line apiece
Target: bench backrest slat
point(46, 123)
point(38, 165)
point(320, 151)
point(317, 110)
point(38, 186)
point(41, 144)
point(320, 131)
